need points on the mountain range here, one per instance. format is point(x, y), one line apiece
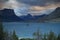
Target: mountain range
point(8, 15)
point(54, 16)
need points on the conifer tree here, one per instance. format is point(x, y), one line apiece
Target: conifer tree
point(14, 36)
point(51, 36)
point(1, 32)
point(58, 38)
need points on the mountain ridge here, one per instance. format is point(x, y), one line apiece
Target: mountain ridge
point(8, 15)
point(55, 15)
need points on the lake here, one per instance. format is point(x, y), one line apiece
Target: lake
point(27, 29)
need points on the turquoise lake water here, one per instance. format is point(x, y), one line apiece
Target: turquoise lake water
point(27, 29)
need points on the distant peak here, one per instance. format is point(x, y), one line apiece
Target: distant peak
point(7, 9)
point(28, 14)
point(58, 8)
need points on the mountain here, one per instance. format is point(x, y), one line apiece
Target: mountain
point(31, 18)
point(55, 15)
point(8, 15)
point(26, 17)
point(52, 17)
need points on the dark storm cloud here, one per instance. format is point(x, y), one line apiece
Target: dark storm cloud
point(3, 1)
point(39, 2)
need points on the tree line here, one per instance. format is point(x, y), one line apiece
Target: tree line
point(5, 35)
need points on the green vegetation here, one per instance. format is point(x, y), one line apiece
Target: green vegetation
point(51, 36)
point(5, 35)
point(44, 37)
point(1, 32)
point(26, 39)
point(14, 36)
point(58, 38)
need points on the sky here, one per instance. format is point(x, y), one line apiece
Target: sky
point(23, 30)
point(33, 7)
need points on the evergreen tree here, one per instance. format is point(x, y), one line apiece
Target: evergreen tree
point(14, 36)
point(58, 38)
point(51, 36)
point(37, 35)
point(1, 32)
point(55, 37)
point(6, 35)
point(45, 37)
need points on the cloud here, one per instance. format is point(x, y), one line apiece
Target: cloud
point(48, 6)
point(41, 11)
point(21, 11)
point(36, 8)
point(39, 2)
point(3, 1)
point(34, 4)
point(11, 4)
point(31, 6)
